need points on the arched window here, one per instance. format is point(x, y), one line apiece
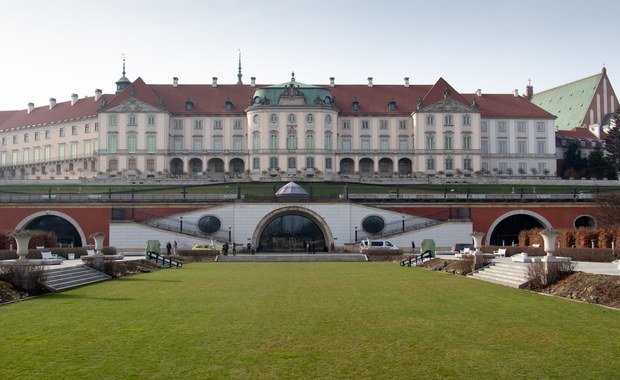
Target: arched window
point(256, 140)
point(291, 141)
point(273, 140)
point(309, 140)
point(292, 119)
point(328, 141)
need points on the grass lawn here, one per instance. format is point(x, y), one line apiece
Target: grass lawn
point(305, 321)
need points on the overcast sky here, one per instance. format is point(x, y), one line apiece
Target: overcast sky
point(56, 48)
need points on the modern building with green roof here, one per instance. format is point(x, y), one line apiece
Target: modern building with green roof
point(582, 103)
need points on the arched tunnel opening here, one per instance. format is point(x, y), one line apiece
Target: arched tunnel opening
point(66, 234)
point(507, 231)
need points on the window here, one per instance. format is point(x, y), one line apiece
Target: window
point(309, 140)
point(448, 164)
point(328, 163)
point(96, 127)
point(392, 106)
point(383, 124)
point(542, 167)
point(447, 141)
point(273, 140)
point(113, 165)
point(310, 162)
point(256, 163)
point(365, 124)
point(86, 128)
point(522, 167)
point(466, 120)
point(309, 118)
point(198, 124)
point(273, 163)
point(197, 143)
point(291, 141)
point(3, 158)
point(151, 143)
point(131, 143)
point(467, 141)
point(150, 119)
point(178, 124)
point(541, 146)
point(273, 118)
point(26, 137)
point(237, 124)
point(402, 124)
point(430, 163)
point(131, 120)
point(177, 144)
point(61, 132)
point(540, 126)
point(292, 119)
point(112, 120)
point(522, 147)
point(403, 144)
point(74, 150)
point(256, 141)
point(328, 119)
point(132, 164)
point(14, 139)
point(112, 143)
point(346, 124)
point(88, 148)
point(502, 146)
point(237, 143)
point(503, 167)
point(346, 144)
point(521, 126)
point(14, 155)
point(61, 151)
point(150, 165)
point(447, 120)
point(36, 154)
point(26, 156)
point(484, 146)
point(430, 141)
point(484, 126)
point(328, 141)
point(467, 164)
point(384, 143)
point(501, 126)
point(365, 143)
point(355, 106)
point(484, 167)
point(291, 163)
point(430, 120)
point(217, 124)
point(218, 144)
point(47, 152)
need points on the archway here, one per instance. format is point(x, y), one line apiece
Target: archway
point(366, 167)
point(404, 166)
point(195, 166)
point(68, 232)
point(176, 166)
point(505, 230)
point(289, 229)
point(386, 167)
point(237, 166)
point(215, 167)
point(346, 166)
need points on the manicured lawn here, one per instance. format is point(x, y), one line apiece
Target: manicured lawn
point(305, 321)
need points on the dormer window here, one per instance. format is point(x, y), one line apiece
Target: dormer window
point(327, 100)
point(188, 105)
point(228, 105)
point(392, 106)
point(355, 106)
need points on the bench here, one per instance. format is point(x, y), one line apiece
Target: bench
point(500, 252)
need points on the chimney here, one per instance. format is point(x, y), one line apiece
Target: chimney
point(479, 93)
point(52, 102)
point(98, 94)
point(74, 99)
point(30, 107)
point(214, 84)
point(332, 82)
point(253, 82)
point(369, 81)
point(175, 82)
point(406, 81)
point(515, 92)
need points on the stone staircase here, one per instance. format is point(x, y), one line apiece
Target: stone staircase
point(71, 277)
point(294, 257)
point(503, 273)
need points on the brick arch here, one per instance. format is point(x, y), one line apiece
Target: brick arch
point(541, 219)
point(24, 222)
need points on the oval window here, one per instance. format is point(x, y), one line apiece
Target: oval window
point(209, 224)
point(373, 224)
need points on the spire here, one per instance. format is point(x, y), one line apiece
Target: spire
point(123, 82)
point(239, 75)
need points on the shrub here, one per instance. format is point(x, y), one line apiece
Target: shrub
point(540, 274)
point(28, 278)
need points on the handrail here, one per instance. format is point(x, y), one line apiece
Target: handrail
point(165, 261)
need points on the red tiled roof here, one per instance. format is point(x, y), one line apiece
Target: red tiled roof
point(438, 92)
point(508, 106)
point(83, 108)
point(375, 99)
point(576, 133)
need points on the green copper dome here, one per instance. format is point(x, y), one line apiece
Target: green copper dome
point(312, 95)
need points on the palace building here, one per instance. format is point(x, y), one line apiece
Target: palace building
point(275, 131)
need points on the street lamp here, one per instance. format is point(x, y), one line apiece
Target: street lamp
point(403, 223)
point(356, 234)
point(229, 234)
point(181, 225)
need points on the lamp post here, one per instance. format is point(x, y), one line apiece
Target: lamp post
point(181, 225)
point(356, 234)
point(403, 222)
point(229, 234)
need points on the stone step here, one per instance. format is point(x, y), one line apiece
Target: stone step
point(71, 277)
point(294, 257)
point(513, 275)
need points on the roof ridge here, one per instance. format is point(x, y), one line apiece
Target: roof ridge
point(569, 83)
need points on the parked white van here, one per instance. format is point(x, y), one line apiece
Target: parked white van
point(378, 245)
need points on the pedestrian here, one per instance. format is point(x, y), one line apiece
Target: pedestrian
point(309, 247)
point(174, 245)
point(313, 248)
point(234, 249)
point(249, 248)
point(225, 249)
point(168, 247)
point(412, 246)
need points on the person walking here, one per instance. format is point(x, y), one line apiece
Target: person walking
point(234, 249)
point(225, 249)
point(412, 246)
point(249, 248)
point(168, 248)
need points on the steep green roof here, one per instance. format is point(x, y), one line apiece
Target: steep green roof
point(309, 92)
point(569, 102)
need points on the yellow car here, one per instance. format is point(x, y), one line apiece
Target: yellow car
point(205, 247)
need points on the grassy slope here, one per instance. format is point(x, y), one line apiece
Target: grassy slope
point(302, 321)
